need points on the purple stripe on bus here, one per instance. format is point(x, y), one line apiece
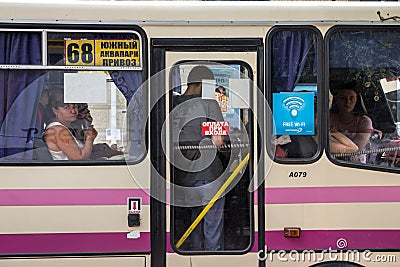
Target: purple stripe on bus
point(70, 197)
point(169, 247)
point(72, 243)
point(326, 239)
point(348, 194)
point(61, 197)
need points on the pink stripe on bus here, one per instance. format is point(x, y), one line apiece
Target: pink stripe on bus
point(292, 195)
point(326, 239)
point(351, 194)
point(67, 197)
point(72, 243)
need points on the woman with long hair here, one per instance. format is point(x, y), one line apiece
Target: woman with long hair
point(348, 116)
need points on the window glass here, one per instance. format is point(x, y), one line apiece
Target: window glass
point(85, 113)
point(364, 87)
point(295, 97)
point(226, 226)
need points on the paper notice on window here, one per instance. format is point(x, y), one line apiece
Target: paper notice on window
point(88, 88)
point(390, 84)
point(239, 93)
point(208, 89)
point(113, 134)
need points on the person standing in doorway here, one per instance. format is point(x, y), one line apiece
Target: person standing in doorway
point(197, 169)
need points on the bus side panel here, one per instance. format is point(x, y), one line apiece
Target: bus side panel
point(84, 211)
point(78, 261)
point(341, 215)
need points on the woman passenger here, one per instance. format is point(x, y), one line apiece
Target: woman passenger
point(59, 139)
point(339, 143)
point(348, 116)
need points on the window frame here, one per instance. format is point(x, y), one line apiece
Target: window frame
point(251, 194)
point(328, 35)
point(321, 92)
point(45, 28)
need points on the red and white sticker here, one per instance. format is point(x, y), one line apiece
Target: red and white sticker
point(134, 205)
point(215, 128)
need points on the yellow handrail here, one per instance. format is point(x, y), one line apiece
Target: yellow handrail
point(212, 201)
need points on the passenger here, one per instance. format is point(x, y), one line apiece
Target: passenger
point(84, 121)
point(348, 116)
point(208, 235)
point(60, 141)
point(339, 143)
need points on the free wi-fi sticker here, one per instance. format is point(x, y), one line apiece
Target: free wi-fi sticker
point(293, 113)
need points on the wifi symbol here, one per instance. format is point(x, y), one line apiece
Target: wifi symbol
point(293, 103)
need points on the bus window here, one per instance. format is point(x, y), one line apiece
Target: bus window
point(95, 74)
point(226, 226)
point(363, 84)
point(294, 76)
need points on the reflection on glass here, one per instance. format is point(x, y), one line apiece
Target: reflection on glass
point(363, 79)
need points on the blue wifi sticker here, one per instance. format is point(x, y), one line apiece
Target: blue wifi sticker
point(293, 113)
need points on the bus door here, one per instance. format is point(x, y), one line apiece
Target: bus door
point(209, 203)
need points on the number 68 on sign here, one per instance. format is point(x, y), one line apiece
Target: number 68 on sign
point(108, 53)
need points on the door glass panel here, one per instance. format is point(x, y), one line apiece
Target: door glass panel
point(210, 139)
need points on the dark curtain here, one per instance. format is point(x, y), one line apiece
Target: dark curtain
point(289, 54)
point(20, 92)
